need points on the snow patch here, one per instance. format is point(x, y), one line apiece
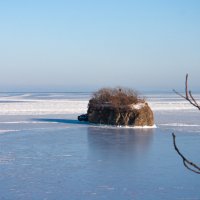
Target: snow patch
point(138, 106)
point(6, 131)
point(181, 125)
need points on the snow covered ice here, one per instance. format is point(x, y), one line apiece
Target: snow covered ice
point(46, 153)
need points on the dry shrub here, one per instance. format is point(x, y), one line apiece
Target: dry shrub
point(115, 97)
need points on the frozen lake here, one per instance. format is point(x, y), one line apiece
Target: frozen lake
point(45, 153)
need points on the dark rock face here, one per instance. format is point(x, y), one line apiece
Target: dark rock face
point(132, 115)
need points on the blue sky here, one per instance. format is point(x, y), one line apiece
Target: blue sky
point(83, 45)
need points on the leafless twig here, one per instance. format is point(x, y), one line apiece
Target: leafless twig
point(188, 164)
point(188, 94)
point(189, 97)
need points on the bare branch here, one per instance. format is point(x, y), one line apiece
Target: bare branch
point(186, 87)
point(188, 95)
point(193, 99)
point(179, 94)
point(188, 164)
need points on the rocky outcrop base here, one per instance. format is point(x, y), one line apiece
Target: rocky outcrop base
point(132, 115)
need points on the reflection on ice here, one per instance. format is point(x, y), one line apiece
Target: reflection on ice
point(123, 143)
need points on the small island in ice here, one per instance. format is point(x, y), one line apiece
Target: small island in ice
point(118, 106)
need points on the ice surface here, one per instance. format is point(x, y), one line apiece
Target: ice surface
point(46, 153)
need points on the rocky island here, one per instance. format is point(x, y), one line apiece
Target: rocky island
point(118, 106)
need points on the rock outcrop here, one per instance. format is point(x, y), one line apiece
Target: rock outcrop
point(139, 114)
point(118, 106)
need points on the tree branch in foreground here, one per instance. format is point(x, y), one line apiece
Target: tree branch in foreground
point(188, 94)
point(188, 164)
point(188, 97)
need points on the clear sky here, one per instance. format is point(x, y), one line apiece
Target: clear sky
point(66, 45)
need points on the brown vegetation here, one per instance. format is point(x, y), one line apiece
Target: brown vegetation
point(115, 97)
point(119, 106)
